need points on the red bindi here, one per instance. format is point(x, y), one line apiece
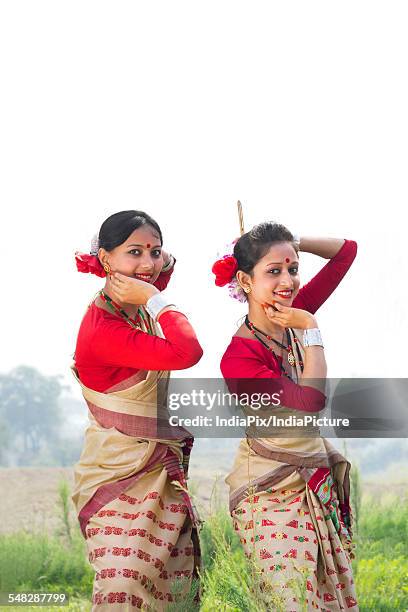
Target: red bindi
point(148, 245)
point(287, 260)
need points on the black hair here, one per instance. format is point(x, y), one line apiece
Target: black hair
point(253, 245)
point(118, 227)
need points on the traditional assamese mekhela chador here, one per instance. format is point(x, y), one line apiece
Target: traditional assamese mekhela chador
point(289, 496)
point(130, 491)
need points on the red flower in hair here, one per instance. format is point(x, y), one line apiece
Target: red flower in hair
point(224, 270)
point(89, 263)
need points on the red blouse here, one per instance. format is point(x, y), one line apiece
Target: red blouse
point(109, 351)
point(247, 358)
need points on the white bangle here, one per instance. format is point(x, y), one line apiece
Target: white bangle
point(296, 238)
point(169, 264)
point(312, 337)
point(156, 303)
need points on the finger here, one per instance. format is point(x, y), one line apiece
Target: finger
point(118, 288)
point(119, 295)
point(270, 314)
point(280, 322)
point(122, 281)
point(117, 285)
point(279, 319)
point(280, 307)
point(269, 305)
point(120, 278)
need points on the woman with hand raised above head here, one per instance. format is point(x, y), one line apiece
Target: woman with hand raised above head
point(130, 491)
point(289, 488)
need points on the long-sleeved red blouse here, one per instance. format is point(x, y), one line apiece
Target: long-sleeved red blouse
point(109, 351)
point(247, 358)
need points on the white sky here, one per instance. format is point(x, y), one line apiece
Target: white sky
point(298, 109)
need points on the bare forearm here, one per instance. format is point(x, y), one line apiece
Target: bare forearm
point(324, 247)
point(315, 368)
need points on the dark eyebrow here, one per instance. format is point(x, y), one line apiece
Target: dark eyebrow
point(280, 262)
point(142, 245)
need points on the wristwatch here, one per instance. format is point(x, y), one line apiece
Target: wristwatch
point(312, 337)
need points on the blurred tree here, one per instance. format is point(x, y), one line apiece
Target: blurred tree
point(29, 406)
point(4, 440)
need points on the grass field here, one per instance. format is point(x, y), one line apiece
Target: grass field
point(33, 560)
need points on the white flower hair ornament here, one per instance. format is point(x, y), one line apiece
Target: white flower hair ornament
point(94, 245)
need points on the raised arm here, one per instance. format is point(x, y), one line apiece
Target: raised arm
point(341, 254)
point(246, 372)
point(327, 248)
point(115, 343)
point(167, 270)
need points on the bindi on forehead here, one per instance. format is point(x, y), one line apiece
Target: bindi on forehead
point(287, 260)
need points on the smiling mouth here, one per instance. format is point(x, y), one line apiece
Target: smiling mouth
point(284, 294)
point(144, 277)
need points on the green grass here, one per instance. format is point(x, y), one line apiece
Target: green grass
point(380, 567)
point(230, 582)
point(38, 562)
point(382, 584)
point(383, 529)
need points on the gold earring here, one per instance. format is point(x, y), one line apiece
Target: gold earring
point(247, 289)
point(106, 267)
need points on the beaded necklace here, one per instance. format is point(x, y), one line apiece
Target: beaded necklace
point(114, 307)
point(289, 348)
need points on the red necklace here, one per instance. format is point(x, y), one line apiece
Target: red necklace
point(114, 307)
point(288, 348)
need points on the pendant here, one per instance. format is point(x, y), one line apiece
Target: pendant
point(291, 358)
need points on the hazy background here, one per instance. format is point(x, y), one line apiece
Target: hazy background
point(180, 109)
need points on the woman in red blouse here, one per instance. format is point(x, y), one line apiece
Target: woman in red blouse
point(288, 495)
point(130, 482)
